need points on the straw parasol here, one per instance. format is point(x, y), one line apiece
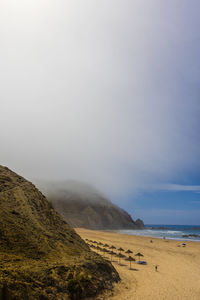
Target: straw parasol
point(112, 247)
point(129, 251)
point(120, 249)
point(111, 254)
point(130, 259)
point(104, 251)
point(98, 248)
point(120, 256)
point(139, 255)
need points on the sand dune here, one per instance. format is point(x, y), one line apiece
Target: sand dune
point(178, 276)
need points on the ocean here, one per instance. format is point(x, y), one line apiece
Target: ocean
point(174, 232)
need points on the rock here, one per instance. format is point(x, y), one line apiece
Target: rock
point(162, 228)
point(139, 223)
point(190, 235)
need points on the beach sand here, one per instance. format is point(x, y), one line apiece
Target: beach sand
point(178, 276)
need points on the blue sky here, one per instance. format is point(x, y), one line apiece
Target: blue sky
point(167, 207)
point(105, 92)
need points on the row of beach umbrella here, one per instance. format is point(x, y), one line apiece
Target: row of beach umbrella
point(105, 248)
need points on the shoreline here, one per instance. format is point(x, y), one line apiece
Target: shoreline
point(177, 278)
point(160, 238)
point(145, 236)
point(142, 236)
point(184, 239)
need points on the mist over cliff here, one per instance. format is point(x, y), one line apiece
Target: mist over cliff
point(82, 205)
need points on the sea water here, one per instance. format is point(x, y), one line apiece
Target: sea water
point(174, 232)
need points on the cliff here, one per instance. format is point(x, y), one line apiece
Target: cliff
point(82, 205)
point(41, 256)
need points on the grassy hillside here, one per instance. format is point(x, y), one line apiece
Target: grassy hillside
point(41, 256)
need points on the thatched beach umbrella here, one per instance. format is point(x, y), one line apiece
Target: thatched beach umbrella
point(130, 259)
point(120, 256)
point(104, 251)
point(129, 251)
point(111, 255)
point(98, 248)
point(112, 247)
point(139, 255)
point(120, 249)
point(106, 245)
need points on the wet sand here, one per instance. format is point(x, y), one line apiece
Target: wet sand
point(178, 275)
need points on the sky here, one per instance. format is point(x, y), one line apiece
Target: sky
point(105, 92)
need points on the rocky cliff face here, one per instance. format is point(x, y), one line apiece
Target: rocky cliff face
point(41, 256)
point(82, 205)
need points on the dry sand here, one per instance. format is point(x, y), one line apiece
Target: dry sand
point(178, 276)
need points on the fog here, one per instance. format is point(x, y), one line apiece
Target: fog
point(71, 190)
point(103, 92)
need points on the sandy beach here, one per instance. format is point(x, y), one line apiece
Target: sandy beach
point(178, 275)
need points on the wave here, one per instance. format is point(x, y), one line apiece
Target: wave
point(160, 233)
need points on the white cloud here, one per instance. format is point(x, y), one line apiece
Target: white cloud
point(175, 187)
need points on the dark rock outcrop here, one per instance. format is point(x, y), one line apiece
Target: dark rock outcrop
point(41, 256)
point(82, 205)
point(191, 235)
point(139, 223)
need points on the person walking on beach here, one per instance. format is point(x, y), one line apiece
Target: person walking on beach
point(156, 268)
